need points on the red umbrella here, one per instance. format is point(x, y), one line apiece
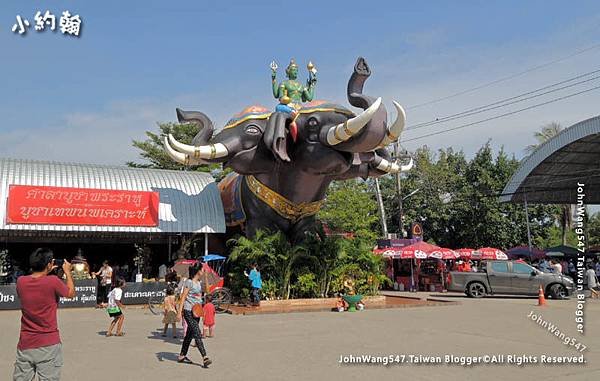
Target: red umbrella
point(418, 250)
point(400, 253)
point(490, 253)
point(465, 253)
point(444, 253)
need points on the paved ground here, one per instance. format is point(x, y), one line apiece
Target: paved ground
point(307, 346)
point(393, 300)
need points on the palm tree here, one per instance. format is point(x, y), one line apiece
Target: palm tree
point(274, 254)
point(548, 131)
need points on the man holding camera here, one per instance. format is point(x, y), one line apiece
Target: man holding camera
point(39, 350)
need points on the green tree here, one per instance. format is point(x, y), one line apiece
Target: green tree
point(276, 258)
point(457, 202)
point(351, 207)
point(153, 152)
point(547, 132)
point(593, 230)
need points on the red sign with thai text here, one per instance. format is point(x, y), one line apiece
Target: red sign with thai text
point(81, 206)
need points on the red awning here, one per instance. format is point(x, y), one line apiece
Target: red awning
point(419, 250)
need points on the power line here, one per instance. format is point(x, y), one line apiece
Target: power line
point(501, 115)
point(469, 90)
point(505, 102)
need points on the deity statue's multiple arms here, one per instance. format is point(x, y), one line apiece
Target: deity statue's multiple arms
point(308, 92)
point(278, 90)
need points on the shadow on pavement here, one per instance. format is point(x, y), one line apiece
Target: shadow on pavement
point(486, 297)
point(158, 335)
point(170, 356)
point(102, 333)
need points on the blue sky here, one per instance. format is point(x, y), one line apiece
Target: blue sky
point(84, 99)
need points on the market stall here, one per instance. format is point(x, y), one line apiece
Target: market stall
point(401, 264)
point(421, 266)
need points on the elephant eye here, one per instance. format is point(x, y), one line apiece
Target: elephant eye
point(252, 130)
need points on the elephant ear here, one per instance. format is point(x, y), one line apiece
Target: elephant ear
point(275, 136)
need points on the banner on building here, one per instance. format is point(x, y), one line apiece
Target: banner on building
point(81, 206)
point(86, 292)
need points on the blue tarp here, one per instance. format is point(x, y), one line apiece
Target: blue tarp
point(212, 257)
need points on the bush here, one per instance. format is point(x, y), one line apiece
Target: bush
point(269, 289)
point(305, 286)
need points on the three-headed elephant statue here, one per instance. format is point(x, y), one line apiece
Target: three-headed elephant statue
point(280, 179)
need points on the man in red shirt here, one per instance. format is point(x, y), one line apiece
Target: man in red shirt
point(39, 350)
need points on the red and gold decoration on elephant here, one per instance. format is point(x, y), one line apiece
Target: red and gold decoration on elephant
point(284, 160)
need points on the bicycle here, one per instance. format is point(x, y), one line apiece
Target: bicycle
point(221, 299)
point(156, 303)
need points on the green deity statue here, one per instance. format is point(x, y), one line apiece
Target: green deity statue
point(290, 92)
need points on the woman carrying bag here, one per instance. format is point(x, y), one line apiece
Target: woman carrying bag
point(190, 306)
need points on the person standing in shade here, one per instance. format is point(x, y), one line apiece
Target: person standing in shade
point(162, 271)
point(191, 296)
point(556, 266)
point(40, 350)
point(256, 281)
point(105, 274)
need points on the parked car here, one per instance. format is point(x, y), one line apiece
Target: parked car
point(511, 278)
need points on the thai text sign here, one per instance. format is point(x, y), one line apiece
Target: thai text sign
point(81, 206)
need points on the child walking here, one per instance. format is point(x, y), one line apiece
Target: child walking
point(170, 312)
point(115, 309)
point(209, 317)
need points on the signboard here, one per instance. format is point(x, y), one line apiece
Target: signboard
point(85, 295)
point(397, 242)
point(81, 206)
point(139, 293)
point(86, 292)
point(416, 230)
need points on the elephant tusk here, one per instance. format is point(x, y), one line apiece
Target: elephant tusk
point(392, 167)
point(344, 131)
point(179, 157)
point(395, 130)
point(208, 151)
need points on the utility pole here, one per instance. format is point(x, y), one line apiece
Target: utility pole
point(381, 209)
point(399, 193)
point(527, 218)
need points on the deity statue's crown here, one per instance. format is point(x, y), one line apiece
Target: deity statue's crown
point(292, 64)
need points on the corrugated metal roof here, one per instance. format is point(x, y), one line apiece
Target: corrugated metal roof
point(551, 173)
point(189, 201)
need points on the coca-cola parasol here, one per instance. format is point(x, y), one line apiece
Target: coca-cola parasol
point(444, 253)
point(419, 250)
point(489, 253)
point(465, 253)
